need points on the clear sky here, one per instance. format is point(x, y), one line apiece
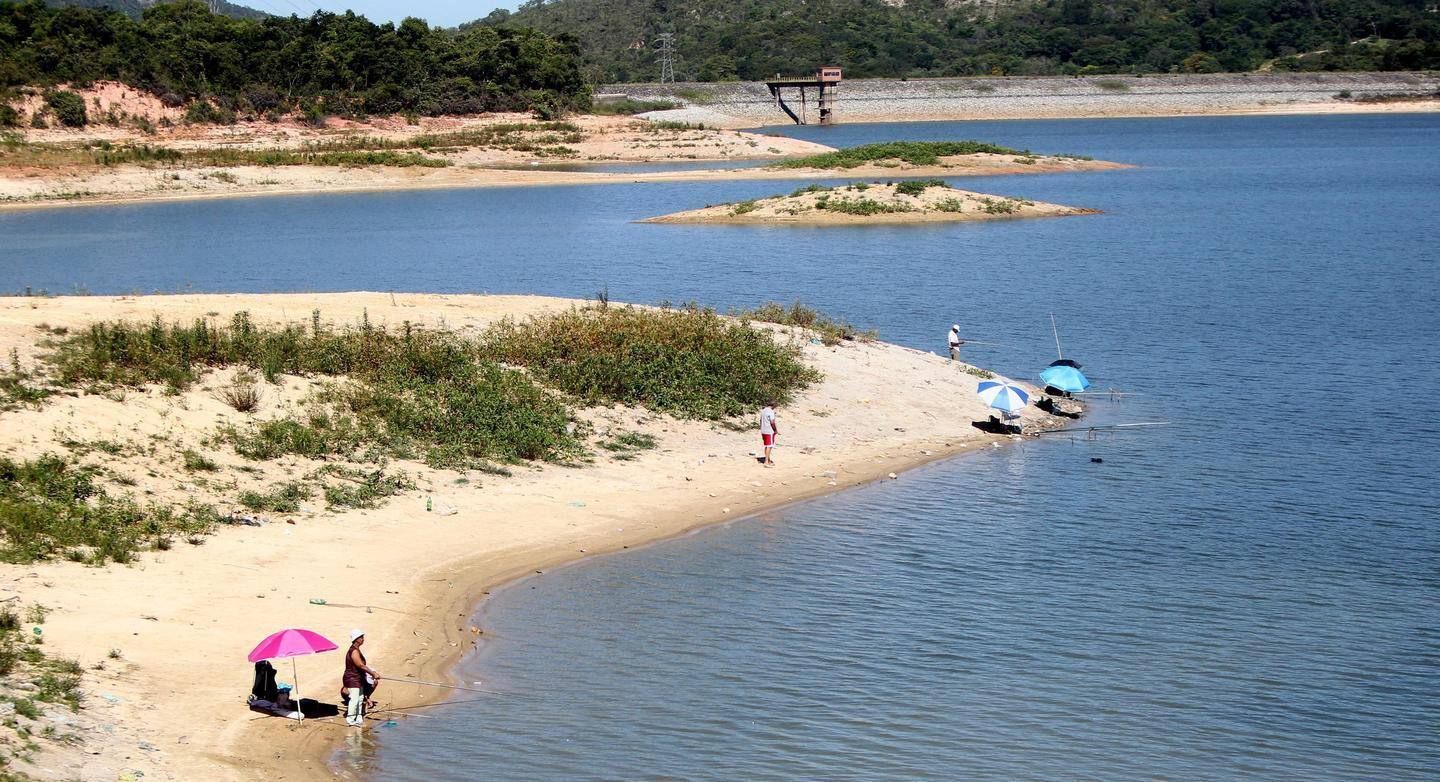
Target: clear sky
point(446, 13)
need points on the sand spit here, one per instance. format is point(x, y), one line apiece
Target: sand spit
point(56, 166)
point(871, 204)
point(124, 185)
point(170, 704)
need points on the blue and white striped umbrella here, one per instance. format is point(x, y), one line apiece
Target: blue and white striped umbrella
point(1065, 377)
point(1002, 396)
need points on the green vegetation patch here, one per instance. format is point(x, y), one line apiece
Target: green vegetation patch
point(632, 106)
point(52, 507)
point(863, 207)
point(915, 187)
point(831, 330)
point(410, 393)
point(689, 362)
point(916, 153)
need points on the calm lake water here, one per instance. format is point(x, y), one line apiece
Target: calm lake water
point(1251, 593)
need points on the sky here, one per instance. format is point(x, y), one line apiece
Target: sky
point(444, 13)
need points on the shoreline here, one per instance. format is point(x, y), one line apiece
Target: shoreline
point(411, 579)
point(471, 602)
point(502, 178)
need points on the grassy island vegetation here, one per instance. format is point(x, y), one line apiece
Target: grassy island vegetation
point(916, 153)
point(323, 64)
point(373, 397)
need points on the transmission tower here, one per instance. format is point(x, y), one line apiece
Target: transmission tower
point(665, 48)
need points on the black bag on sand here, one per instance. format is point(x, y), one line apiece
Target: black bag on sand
point(264, 687)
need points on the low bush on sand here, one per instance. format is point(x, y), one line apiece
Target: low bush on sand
point(830, 330)
point(689, 362)
point(914, 187)
point(916, 153)
point(863, 207)
point(407, 393)
point(52, 507)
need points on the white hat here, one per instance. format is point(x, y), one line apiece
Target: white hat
point(357, 633)
point(955, 327)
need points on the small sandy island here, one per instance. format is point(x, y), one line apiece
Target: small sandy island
point(862, 203)
point(150, 632)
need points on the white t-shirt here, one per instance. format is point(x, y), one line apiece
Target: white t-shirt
point(954, 337)
point(767, 421)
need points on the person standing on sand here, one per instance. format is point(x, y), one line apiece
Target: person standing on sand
point(955, 342)
point(769, 427)
point(354, 680)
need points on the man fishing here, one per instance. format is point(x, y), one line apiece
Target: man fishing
point(955, 342)
point(359, 681)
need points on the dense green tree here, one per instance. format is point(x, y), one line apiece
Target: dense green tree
point(1031, 37)
point(342, 63)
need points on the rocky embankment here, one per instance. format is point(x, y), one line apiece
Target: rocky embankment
point(742, 104)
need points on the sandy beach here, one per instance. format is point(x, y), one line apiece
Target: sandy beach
point(169, 701)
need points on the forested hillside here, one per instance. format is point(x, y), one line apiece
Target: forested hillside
point(135, 8)
point(754, 39)
point(326, 63)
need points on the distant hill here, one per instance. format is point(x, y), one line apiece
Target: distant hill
point(223, 68)
point(754, 39)
point(133, 8)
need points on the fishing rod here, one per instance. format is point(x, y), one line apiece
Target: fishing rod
point(444, 686)
point(1101, 427)
point(965, 341)
point(1056, 329)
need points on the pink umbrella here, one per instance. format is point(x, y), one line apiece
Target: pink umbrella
point(292, 643)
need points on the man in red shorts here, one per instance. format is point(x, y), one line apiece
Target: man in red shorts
point(769, 427)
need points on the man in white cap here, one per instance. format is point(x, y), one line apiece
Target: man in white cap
point(357, 675)
point(955, 342)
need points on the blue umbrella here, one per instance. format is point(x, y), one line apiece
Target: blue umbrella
point(1002, 396)
point(1066, 376)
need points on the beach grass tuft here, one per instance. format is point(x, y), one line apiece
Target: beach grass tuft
point(52, 507)
point(831, 331)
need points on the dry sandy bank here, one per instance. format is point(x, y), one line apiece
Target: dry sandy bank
point(847, 205)
point(139, 185)
point(182, 621)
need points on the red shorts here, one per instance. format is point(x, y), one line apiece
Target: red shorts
point(767, 439)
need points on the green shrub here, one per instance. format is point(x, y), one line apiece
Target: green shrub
point(197, 462)
point(916, 153)
point(949, 205)
point(831, 331)
point(744, 207)
point(9, 117)
point(864, 207)
point(799, 191)
point(362, 489)
point(915, 187)
point(631, 106)
point(51, 507)
point(69, 107)
point(285, 498)
point(1004, 206)
point(689, 362)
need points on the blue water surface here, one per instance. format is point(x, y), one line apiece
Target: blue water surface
point(1250, 593)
